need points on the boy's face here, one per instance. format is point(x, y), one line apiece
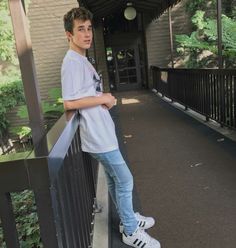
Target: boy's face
point(82, 35)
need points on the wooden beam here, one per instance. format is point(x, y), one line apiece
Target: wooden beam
point(27, 66)
point(8, 221)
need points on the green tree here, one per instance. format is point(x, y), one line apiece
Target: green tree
point(7, 46)
point(200, 48)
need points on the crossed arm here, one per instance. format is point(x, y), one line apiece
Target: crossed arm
point(106, 100)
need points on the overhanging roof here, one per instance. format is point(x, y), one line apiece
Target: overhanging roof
point(103, 8)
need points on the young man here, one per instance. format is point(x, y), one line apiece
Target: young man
point(81, 90)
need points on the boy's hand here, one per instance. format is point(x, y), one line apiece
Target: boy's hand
point(109, 100)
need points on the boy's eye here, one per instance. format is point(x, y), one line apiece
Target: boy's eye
point(83, 29)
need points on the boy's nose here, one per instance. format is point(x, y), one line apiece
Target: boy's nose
point(88, 33)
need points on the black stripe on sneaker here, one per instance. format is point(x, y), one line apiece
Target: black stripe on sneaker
point(140, 243)
point(143, 245)
point(135, 241)
point(143, 224)
point(140, 223)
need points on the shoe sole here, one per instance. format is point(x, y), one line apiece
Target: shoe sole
point(132, 245)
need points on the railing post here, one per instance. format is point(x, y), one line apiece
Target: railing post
point(41, 185)
point(8, 221)
point(222, 100)
point(234, 101)
point(158, 77)
point(207, 98)
point(154, 82)
point(47, 220)
point(185, 93)
point(169, 86)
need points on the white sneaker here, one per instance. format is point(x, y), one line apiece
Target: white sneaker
point(140, 239)
point(143, 222)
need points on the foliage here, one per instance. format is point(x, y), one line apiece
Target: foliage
point(201, 46)
point(10, 74)
point(52, 110)
point(26, 220)
point(48, 108)
point(11, 94)
point(55, 93)
point(21, 132)
point(193, 6)
point(7, 50)
point(11, 91)
point(7, 42)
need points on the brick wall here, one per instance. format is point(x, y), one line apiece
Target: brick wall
point(48, 40)
point(158, 38)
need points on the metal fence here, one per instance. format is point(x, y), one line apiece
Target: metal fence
point(63, 180)
point(210, 92)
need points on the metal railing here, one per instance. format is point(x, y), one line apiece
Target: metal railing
point(210, 92)
point(63, 180)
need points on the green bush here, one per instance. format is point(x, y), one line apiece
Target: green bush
point(11, 94)
point(26, 220)
point(201, 46)
point(52, 109)
point(7, 50)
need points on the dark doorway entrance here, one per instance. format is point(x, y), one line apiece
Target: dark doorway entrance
point(125, 50)
point(127, 71)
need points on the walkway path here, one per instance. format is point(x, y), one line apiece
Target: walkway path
point(185, 174)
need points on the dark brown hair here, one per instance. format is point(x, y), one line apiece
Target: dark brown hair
point(76, 14)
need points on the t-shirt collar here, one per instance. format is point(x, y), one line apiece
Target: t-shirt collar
point(74, 54)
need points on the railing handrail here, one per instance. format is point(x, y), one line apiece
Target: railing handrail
point(51, 138)
point(210, 92)
point(204, 70)
point(63, 180)
point(11, 164)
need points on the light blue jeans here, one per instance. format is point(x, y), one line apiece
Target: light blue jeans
point(120, 185)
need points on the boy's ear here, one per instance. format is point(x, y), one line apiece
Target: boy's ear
point(68, 35)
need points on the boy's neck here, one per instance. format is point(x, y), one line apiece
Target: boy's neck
point(78, 50)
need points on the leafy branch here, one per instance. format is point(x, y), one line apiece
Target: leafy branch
point(201, 45)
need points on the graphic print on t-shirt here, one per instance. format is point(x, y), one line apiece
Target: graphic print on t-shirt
point(97, 83)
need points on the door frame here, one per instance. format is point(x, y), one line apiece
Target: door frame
point(125, 87)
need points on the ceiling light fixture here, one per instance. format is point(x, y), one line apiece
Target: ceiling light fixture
point(130, 12)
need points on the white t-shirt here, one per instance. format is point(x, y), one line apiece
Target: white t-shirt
point(79, 79)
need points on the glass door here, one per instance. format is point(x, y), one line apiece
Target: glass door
point(127, 68)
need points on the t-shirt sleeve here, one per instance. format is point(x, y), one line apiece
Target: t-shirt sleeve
point(74, 82)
